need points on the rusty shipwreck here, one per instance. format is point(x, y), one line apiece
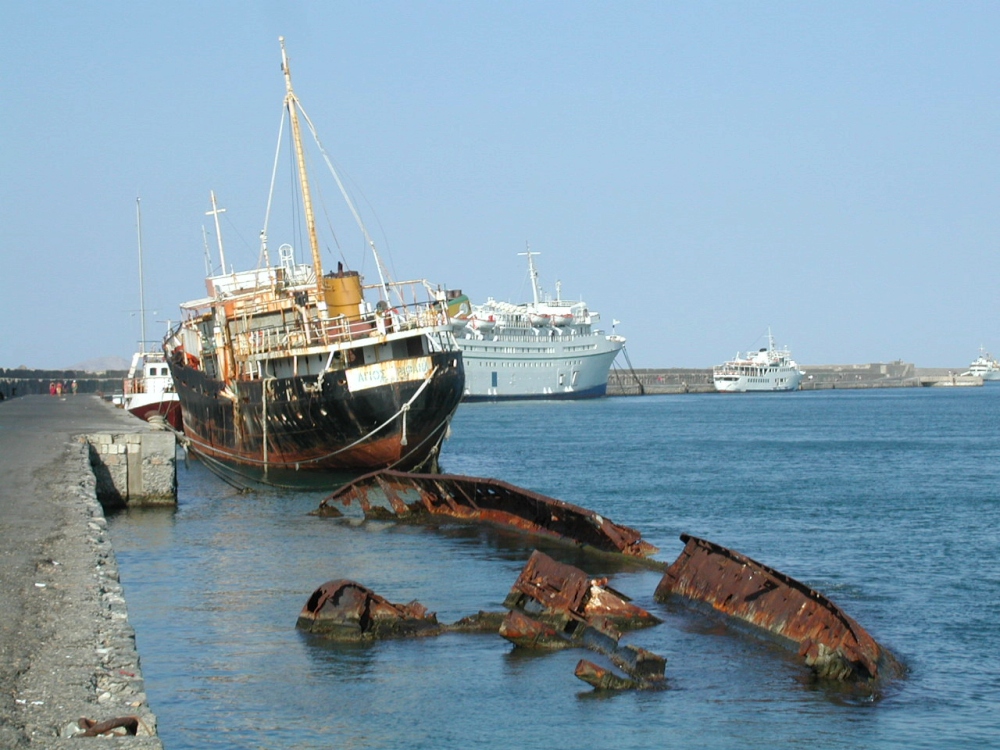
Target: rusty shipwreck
point(830, 642)
point(284, 368)
point(405, 495)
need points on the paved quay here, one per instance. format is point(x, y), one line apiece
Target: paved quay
point(67, 651)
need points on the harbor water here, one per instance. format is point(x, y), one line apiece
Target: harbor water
point(887, 501)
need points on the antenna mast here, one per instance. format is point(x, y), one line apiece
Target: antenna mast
point(532, 272)
point(218, 233)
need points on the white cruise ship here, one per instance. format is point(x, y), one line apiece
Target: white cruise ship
point(543, 349)
point(769, 369)
point(985, 366)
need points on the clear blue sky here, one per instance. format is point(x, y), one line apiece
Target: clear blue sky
point(698, 171)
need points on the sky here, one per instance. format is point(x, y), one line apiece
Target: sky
point(697, 171)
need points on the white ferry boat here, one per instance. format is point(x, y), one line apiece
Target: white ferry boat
point(543, 349)
point(769, 369)
point(985, 366)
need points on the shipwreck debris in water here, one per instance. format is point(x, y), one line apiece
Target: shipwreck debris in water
point(831, 643)
point(396, 494)
point(553, 606)
point(561, 593)
point(347, 611)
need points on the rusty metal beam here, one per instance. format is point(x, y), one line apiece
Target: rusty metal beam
point(555, 606)
point(831, 643)
point(565, 593)
point(394, 494)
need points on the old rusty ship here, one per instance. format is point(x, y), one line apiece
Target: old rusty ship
point(285, 369)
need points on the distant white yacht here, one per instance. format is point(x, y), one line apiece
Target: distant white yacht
point(769, 369)
point(985, 366)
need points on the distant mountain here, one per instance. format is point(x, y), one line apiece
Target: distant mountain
point(102, 364)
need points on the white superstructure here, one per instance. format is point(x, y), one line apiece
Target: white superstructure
point(768, 369)
point(546, 348)
point(985, 366)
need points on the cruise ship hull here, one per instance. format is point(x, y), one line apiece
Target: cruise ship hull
point(575, 369)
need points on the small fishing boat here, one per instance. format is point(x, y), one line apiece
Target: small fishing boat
point(148, 391)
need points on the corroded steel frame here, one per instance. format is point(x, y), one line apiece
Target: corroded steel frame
point(395, 494)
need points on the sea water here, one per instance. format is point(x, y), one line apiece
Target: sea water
point(887, 501)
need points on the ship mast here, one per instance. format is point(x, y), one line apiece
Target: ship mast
point(142, 295)
point(291, 102)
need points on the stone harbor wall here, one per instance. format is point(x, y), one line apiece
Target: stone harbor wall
point(89, 666)
point(134, 469)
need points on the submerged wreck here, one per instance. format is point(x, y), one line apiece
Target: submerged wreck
point(554, 606)
point(402, 495)
point(564, 594)
point(832, 644)
point(347, 611)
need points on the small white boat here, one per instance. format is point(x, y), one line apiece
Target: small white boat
point(984, 366)
point(769, 369)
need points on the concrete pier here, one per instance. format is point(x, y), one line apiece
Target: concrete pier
point(67, 651)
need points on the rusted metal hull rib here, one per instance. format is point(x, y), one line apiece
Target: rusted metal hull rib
point(832, 644)
point(395, 494)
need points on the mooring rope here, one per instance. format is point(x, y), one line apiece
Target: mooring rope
point(225, 471)
point(402, 410)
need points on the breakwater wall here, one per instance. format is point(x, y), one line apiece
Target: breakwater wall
point(24, 382)
point(898, 374)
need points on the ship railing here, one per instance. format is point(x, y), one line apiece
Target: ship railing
point(339, 329)
point(379, 322)
point(134, 385)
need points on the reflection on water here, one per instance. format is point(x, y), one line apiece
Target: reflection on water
point(886, 502)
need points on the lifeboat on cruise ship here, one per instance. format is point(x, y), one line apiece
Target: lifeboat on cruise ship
point(562, 319)
point(540, 320)
point(483, 324)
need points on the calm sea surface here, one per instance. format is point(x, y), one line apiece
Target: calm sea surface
point(888, 501)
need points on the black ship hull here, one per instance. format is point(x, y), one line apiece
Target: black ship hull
point(317, 423)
